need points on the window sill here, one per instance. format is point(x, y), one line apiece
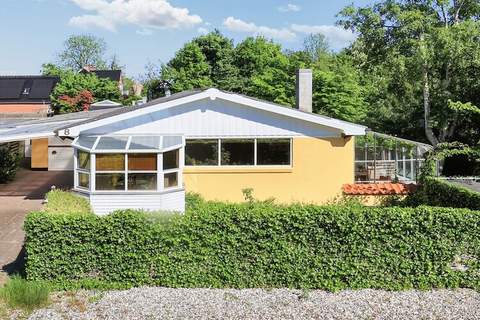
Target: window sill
point(220, 170)
point(130, 192)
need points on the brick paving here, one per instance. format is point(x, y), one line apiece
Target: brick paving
point(17, 198)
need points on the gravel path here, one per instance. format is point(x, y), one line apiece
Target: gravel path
point(164, 303)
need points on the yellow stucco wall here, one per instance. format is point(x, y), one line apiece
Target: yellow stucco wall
point(320, 167)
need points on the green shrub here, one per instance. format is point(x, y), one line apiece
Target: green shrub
point(259, 245)
point(19, 293)
point(435, 192)
point(9, 163)
point(60, 202)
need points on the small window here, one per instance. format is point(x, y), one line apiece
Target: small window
point(110, 181)
point(201, 153)
point(170, 160)
point(83, 160)
point(170, 180)
point(84, 180)
point(142, 181)
point(273, 152)
point(142, 162)
point(238, 152)
point(110, 162)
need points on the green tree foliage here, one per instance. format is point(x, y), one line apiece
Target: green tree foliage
point(84, 50)
point(418, 56)
point(260, 68)
point(73, 83)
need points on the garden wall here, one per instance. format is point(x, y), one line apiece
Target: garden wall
point(259, 245)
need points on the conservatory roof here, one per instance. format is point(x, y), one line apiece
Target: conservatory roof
point(127, 143)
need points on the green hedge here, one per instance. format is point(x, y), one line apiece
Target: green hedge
point(435, 192)
point(259, 245)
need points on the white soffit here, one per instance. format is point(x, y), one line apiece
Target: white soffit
point(346, 128)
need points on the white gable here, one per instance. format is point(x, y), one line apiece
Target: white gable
point(216, 113)
point(213, 118)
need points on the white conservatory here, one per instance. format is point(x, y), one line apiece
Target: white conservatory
point(147, 168)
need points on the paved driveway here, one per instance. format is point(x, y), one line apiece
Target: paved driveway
point(17, 198)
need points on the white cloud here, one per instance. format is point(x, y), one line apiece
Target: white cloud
point(289, 8)
point(202, 30)
point(238, 25)
point(147, 14)
point(336, 36)
point(144, 32)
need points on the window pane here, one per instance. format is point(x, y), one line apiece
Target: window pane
point(170, 160)
point(238, 152)
point(142, 161)
point(110, 181)
point(170, 180)
point(110, 162)
point(83, 160)
point(144, 143)
point(112, 143)
point(273, 151)
point(84, 180)
point(201, 153)
point(142, 181)
point(86, 141)
point(170, 141)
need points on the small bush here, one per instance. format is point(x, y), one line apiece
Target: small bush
point(19, 293)
point(259, 245)
point(439, 193)
point(61, 202)
point(9, 163)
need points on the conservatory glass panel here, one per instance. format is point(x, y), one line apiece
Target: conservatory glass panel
point(112, 143)
point(110, 181)
point(83, 160)
point(171, 141)
point(171, 160)
point(144, 143)
point(142, 161)
point(84, 180)
point(86, 141)
point(170, 180)
point(110, 162)
point(142, 181)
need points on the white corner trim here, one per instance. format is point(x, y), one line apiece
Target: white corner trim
point(346, 128)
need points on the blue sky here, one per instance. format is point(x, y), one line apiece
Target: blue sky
point(139, 31)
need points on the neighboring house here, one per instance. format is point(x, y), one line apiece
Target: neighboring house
point(112, 75)
point(211, 142)
point(25, 96)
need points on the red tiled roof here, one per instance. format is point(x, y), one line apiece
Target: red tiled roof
point(382, 189)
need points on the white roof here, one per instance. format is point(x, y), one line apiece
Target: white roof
point(347, 128)
point(106, 103)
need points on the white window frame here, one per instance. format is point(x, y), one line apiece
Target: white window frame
point(255, 165)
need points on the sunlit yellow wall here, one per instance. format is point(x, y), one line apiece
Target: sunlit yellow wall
point(320, 167)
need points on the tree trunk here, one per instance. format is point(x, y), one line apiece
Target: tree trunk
point(426, 108)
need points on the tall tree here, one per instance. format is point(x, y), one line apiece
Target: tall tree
point(434, 44)
point(83, 50)
point(316, 46)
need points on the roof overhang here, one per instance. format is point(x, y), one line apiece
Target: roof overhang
point(346, 128)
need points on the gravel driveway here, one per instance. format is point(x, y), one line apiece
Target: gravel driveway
point(163, 303)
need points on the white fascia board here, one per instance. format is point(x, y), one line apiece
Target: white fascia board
point(25, 136)
point(346, 128)
point(75, 131)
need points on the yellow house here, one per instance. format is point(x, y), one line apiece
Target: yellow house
point(214, 143)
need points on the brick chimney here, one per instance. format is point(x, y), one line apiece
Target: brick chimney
point(304, 89)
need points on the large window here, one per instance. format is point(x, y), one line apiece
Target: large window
point(273, 152)
point(238, 152)
point(201, 152)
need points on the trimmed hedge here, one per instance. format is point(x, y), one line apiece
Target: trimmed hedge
point(259, 245)
point(438, 193)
